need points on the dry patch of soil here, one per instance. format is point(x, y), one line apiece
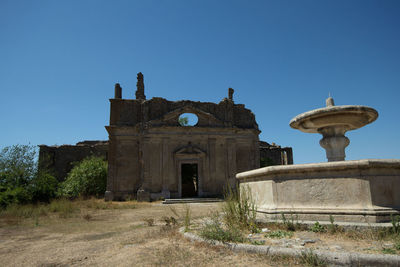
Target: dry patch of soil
point(117, 237)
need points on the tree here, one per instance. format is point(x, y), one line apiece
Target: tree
point(87, 178)
point(20, 181)
point(17, 165)
point(184, 121)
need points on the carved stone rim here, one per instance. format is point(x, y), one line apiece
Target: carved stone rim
point(320, 167)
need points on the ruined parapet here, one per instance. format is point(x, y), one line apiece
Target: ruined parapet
point(161, 112)
point(230, 94)
point(140, 87)
point(118, 91)
point(59, 160)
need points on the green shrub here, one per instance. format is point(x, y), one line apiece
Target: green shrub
point(88, 178)
point(43, 187)
point(318, 228)
point(16, 195)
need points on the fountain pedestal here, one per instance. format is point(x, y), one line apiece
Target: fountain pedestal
point(334, 142)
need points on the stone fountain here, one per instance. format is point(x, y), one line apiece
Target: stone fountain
point(333, 122)
point(365, 190)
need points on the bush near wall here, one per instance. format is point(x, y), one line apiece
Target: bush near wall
point(87, 178)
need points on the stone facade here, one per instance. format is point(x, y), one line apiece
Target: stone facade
point(149, 150)
point(151, 155)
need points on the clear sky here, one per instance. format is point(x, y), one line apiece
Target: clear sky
point(59, 61)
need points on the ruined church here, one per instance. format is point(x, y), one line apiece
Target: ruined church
point(153, 154)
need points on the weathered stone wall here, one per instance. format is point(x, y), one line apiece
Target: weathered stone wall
point(59, 159)
point(272, 154)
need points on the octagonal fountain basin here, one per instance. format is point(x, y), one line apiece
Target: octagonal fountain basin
point(333, 122)
point(351, 191)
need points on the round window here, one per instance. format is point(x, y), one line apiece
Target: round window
point(188, 119)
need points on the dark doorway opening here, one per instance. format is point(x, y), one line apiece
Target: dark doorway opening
point(190, 180)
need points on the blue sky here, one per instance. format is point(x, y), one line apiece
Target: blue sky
point(59, 61)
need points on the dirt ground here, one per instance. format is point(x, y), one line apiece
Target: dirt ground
point(117, 237)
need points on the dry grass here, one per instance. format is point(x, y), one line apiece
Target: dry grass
point(115, 233)
point(111, 233)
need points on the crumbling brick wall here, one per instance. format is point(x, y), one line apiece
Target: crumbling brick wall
point(59, 160)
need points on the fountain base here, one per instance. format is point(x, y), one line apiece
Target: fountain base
point(350, 191)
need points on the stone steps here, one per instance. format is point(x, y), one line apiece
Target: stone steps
point(190, 200)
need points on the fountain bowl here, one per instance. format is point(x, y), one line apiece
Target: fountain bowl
point(349, 117)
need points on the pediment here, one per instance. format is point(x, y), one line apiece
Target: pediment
point(204, 118)
point(189, 149)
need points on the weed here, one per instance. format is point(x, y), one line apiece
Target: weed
point(279, 234)
point(149, 221)
point(87, 216)
point(332, 227)
point(290, 225)
point(257, 242)
point(214, 231)
point(395, 223)
point(36, 220)
point(397, 244)
point(309, 258)
point(174, 211)
point(187, 218)
point(170, 221)
point(388, 251)
point(318, 228)
point(239, 209)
